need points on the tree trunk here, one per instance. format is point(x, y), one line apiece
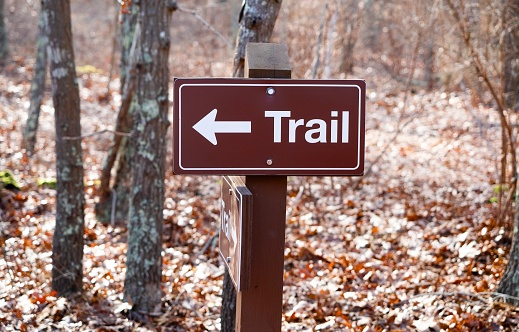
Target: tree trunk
point(114, 201)
point(67, 245)
point(142, 285)
point(511, 56)
point(312, 72)
point(352, 20)
point(4, 48)
point(371, 33)
point(228, 310)
point(429, 63)
point(257, 24)
point(328, 50)
point(37, 85)
point(129, 24)
point(509, 283)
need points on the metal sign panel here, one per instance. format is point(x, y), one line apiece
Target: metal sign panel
point(233, 126)
point(235, 230)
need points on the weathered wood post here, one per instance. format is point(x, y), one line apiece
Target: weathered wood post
point(260, 307)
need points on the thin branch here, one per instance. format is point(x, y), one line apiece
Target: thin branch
point(97, 133)
point(112, 212)
point(503, 296)
point(205, 23)
point(209, 242)
point(507, 139)
point(112, 56)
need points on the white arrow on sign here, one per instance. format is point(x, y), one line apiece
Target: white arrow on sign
point(208, 127)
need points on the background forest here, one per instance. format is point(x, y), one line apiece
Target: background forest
point(420, 243)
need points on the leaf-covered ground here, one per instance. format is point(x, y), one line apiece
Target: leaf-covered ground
point(411, 246)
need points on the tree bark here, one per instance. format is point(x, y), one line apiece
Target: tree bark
point(511, 55)
point(129, 24)
point(114, 200)
point(372, 32)
point(37, 85)
point(67, 245)
point(228, 311)
point(509, 283)
point(430, 55)
point(311, 73)
point(352, 21)
point(4, 45)
point(258, 22)
point(142, 285)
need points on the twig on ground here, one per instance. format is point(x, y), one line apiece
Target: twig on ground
point(499, 296)
point(444, 294)
point(294, 204)
point(208, 243)
point(190, 306)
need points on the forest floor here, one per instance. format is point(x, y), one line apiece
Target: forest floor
point(414, 245)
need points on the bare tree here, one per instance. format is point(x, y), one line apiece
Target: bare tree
point(510, 54)
point(352, 12)
point(37, 85)
point(67, 245)
point(114, 198)
point(142, 285)
point(509, 283)
point(257, 24)
point(4, 48)
point(311, 73)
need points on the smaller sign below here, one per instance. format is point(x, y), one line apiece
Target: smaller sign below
point(235, 237)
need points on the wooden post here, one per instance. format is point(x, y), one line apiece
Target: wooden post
point(260, 307)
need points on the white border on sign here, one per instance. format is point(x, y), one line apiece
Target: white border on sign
point(270, 169)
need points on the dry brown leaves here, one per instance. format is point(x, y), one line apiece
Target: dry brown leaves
point(412, 246)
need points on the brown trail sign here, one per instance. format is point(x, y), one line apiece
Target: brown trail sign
point(269, 126)
point(265, 129)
